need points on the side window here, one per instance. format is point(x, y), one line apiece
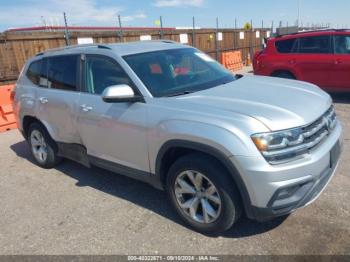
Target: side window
point(315, 45)
point(62, 72)
point(286, 46)
point(342, 44)
point(33, 72)
point(102, 72)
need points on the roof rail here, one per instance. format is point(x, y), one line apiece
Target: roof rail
point(315, 31)
point(74, 47)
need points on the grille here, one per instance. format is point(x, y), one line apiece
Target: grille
point(310, 137)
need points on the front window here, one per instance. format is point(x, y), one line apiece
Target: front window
point(178, 71)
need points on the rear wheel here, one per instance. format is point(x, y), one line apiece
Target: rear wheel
point(43, 148)
point(284, 74)
point(203, 194)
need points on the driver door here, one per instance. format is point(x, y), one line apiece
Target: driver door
point(113, 132)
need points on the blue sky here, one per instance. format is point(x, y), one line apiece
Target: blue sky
point(22, 13)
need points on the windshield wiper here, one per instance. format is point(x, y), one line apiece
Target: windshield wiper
point(180, 93)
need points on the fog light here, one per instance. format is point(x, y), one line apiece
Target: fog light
point(287, 192)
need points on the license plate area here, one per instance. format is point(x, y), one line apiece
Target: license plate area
point(334, 155)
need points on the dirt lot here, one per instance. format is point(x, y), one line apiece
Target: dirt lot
point(75, 210)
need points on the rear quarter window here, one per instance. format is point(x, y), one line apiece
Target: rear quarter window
point(33, 72)
point(37, 72)
point(286, 46)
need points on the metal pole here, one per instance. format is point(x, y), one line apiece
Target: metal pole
point(235, 35)
point(251, 51)
point(216, 40)
point(298, 13)
point(66, 33)
point(120, 34)
point(161, 27)
point(193, 32)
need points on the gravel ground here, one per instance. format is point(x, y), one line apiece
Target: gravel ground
point(75, 210)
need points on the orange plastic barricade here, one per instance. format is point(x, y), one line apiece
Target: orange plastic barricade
point(232, 60)
point(7, 118)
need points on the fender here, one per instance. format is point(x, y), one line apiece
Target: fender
point(220, 156)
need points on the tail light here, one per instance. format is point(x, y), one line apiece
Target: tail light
point(256, 62)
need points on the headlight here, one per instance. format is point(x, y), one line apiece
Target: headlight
point(282, 146)
point(279, 146)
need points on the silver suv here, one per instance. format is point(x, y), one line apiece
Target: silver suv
point(167, 114)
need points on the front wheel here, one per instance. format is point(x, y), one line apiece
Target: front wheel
point(203, 194)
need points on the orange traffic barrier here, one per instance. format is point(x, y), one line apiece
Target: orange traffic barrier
point(7, 118)
point(232, 60)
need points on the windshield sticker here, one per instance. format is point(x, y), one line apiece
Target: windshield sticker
point(155, 69)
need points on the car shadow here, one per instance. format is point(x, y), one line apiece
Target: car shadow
point(342, 98)
point(130, 190)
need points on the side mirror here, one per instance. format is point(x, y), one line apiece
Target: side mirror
point(120, 93)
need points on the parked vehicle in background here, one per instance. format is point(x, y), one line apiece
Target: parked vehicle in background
point(318, 57)
point(170, 115)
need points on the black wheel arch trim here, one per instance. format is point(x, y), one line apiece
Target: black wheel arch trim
point(216, 153)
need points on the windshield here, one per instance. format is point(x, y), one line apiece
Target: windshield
point(178, 71)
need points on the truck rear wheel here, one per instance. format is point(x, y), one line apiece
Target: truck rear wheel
point(43, 148)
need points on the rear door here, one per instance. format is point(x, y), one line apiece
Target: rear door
point(314, 60)
point(58, 95)
point(340, 75)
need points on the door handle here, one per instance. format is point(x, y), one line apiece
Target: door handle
point(292, 62)
point(43, 100)
point(337, 62)
point(85, 108)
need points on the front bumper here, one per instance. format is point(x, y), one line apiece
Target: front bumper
point(276, 190)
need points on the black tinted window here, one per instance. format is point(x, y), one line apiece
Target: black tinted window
point(342, 44)
point(286, 46)
point(62, 72)
point(33, 72)
point(37, 72)
point(314, 45)
point(101, 72)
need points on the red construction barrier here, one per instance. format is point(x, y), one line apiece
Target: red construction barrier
point(7, 118)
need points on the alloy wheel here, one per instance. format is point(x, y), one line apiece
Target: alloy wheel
point(39, 147)
point(197, 196)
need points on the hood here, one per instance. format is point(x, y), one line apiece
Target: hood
point(278, 103)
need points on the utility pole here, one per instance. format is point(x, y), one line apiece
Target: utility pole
point(120, 34)
point(161, 27)
point(216, 40)
point(193, 32)
point(66, 33)
point(298, 24)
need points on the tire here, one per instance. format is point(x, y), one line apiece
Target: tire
point(212, 172)
point(284, 74)
point(42, 146)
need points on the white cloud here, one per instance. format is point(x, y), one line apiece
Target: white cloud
point(178, 3)
point(79, 12)
point(129, 18)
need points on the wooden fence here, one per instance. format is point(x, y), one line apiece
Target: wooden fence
point(17, 47)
